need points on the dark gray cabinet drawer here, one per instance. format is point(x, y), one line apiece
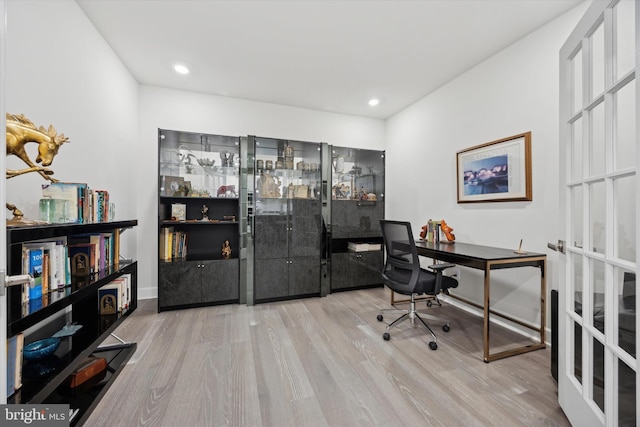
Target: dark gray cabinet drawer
point(356, 269)
point(185, 283)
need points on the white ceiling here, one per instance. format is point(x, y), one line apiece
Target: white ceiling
point(324, 55)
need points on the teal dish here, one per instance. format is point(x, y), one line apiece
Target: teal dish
point(40, 349)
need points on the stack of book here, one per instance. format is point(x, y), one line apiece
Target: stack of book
point(84, 205)
point(53, 264)
point(115, 297)
point(173, 244)
point(47, 262)
point(364, 247)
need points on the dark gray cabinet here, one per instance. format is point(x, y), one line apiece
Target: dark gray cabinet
point(287, 220)
point(357, 206)
point(287, 252)
point(191, 283)
point(198, 216)
point(355, 269)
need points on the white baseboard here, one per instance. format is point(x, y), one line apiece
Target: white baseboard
point(497, 320)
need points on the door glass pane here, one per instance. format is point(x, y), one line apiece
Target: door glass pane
point(625, 39)
point(625, 122)
point(597, 294)
point(598, 374)
point(596, 156)
point(625, 211)
point(597, 61)
point(576, 149)
point(577, 351)
point(577, 283)
point(626, 306)
point(597, 224)
point(576, 66)
point(577, 213)
point(626, 395)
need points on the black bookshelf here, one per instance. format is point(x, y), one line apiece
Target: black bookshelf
point(44, 381)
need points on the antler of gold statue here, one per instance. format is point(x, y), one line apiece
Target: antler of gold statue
point(20, 131)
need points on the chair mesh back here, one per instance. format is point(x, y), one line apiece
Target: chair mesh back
point(398, 240)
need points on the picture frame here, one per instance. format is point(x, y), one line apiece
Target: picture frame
point(498, 171)
point(171, 186)
point(179, 211)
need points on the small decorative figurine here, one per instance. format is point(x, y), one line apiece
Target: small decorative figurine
point(227, 191)
point(447, 231)
point(227, 158)
point(423, 233)
point(226, 250)
point(204, 211)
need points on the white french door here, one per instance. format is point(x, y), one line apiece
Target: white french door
point(599, 185)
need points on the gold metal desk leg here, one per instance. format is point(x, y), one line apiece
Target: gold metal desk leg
point(487, 290)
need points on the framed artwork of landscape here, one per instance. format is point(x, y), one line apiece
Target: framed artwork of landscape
point(498, 171)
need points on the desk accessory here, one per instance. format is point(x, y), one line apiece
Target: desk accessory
point(520, 251)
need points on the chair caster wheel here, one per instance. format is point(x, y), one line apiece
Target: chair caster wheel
point(429, 303)
point(386, 336)
point(433, 345)
point(379, 317)
point(445, 328)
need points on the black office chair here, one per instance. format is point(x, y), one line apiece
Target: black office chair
point(402, 274)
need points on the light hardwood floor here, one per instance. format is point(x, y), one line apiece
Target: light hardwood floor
point(321, 362)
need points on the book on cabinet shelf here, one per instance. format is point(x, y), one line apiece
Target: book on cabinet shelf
point(363, 247)
point(173, 244)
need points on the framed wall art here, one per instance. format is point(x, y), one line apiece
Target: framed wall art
point(498, 171)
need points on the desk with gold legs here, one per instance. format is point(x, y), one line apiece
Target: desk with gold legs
point(488, 258)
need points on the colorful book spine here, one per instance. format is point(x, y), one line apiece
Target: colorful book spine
point(36, 256)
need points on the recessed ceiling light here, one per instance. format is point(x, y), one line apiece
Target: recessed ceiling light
point(373, 102)
point(181, 69)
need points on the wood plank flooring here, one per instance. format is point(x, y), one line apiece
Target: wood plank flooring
point(321, 362)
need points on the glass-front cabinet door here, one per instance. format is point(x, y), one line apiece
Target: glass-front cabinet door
point(288, 229)
point(357, 206)
point(198, 165)
point(198, 213)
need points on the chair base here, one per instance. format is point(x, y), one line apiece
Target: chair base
point(412, 313)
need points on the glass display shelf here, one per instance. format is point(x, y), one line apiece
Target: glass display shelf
point(357, 174)
point(285, 170)
point(200, 165)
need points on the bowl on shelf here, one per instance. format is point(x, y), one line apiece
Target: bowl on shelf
point(40, 349)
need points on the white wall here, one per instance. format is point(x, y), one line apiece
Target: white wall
point(513, 92)
point(64, 74)
point(162, 108)
point(60, 71)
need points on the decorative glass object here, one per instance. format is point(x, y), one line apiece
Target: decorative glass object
point(54, 211)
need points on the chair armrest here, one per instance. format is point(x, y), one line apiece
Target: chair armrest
point(440, 267)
